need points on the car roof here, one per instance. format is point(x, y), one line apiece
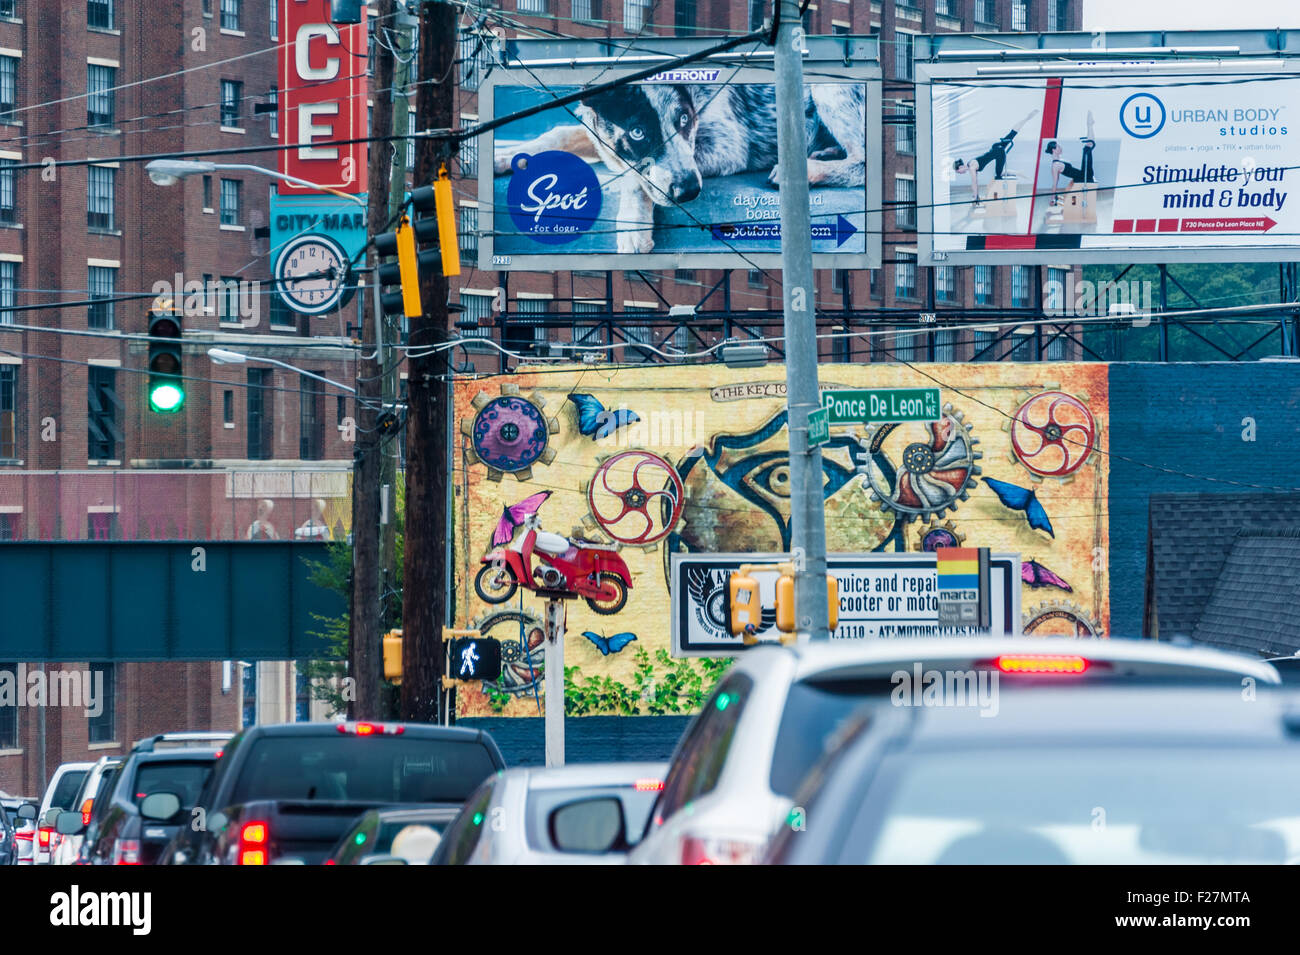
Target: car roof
point(587, 774)
point(183, 754)
point(449, 811)
point(1125, 656)
point(323, 728)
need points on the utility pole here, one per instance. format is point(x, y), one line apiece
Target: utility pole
point(424, 585)
point(365, 653)
point(807, 508)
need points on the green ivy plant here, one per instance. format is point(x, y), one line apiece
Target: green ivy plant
point(682, 687)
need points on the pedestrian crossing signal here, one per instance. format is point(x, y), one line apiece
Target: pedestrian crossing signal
point(473, 659)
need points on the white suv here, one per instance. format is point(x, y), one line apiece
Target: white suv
point(60, 794)
point(733, 776)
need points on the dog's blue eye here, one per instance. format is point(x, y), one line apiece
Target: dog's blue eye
point(637, 133)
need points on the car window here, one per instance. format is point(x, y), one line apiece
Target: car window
point(65, 790)
point(104, 794)
point(461, 838)
point(814, 712)
point(386, 769)
point(542, 802)
point(185, 778)
point(359, 840)
point(703, 753)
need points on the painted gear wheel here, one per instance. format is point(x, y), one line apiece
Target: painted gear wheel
point(635, 497)
point(521, 661)
point(1059, 618)
point(920, 478)
point(933, 536)
point(1053, 434)
point(510, 433)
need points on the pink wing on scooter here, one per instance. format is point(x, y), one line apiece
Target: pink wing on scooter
point(513, 516)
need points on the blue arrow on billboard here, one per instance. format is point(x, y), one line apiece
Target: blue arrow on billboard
point(839, 231)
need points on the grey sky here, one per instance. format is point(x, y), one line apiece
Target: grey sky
point(1190, 14)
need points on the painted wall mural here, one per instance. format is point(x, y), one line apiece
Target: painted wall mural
point(640, 463)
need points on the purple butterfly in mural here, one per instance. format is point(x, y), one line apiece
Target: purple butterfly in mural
point(1036, 575)
point(513, 516)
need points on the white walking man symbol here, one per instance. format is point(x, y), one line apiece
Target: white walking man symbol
point(468, 657)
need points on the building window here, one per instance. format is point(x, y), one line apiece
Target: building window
point(99, 14)
point(8, 291)
point(8, 88)
point(232, 96)
point(904, 45)
point(1058, 14)
point(230, 201)
point(1056, 346)
point(531, 6)
point(301, 695)
point(904, 345)
point(986, 11)
point(275, 18)
point(103, 285)
point(1022, 348)
point(101, 198)
point(8, 415)
point(684, 18)
point(1020, 284)
point(340, 410)
point(945, 342)
point(948, 8)
point(230, 10)
point(984, 349)
point(100, 81)
point(469, 234)
point(586, 10)
point(259, 425)
point(637, 335)
point(634, 15)
point(273, 114)
point(8, 192)
point(906, 139)
point(1020, 15)
point(281, 314)
point(839, 280)
point(755, 278)
point(227, 407)
point(248, 683)
point(905, 198)
point(1054, 300)
point(311, 420)
point(471, 62)
point(410, 144)
point(873, 281)
point(905, 276)
point(686, 276)
point(840, 29)
point(983, 284)
point(9, 10)
point(945, 283)
point(9, 712)
point(527, 333)
point(478, 309)
point(228, 300)
point(101, 414)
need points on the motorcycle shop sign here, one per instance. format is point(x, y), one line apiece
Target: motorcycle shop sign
point(881, 596)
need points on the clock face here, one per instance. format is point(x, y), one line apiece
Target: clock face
point(311, 274)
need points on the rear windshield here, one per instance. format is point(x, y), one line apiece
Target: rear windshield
point(65, 791)
point(183, 778)
point(813, 712)
point(376, 769)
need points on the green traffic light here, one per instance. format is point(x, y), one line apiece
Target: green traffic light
point(166, 398)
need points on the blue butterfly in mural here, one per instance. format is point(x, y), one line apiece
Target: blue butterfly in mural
point(608, 645)
point(595, 421)
point(1022, 499)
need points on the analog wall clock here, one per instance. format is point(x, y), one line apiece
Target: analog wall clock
point(312, 274)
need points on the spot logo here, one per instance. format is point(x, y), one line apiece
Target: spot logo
point(553, 196)
point(1142, 115)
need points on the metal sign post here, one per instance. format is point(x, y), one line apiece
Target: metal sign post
point(554, 676)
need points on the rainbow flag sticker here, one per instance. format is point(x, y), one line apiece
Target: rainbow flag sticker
point(958, 568)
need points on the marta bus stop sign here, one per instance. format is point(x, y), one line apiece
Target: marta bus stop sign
point(881, 405)
point(819, 428)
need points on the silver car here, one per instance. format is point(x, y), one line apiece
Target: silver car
point(583, 814)
point(734, 775)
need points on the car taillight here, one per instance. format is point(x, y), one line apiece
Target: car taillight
point(43, 836)
point(85, 811)
point(705, 851)
point(370, 729)
point(23, 836)
point(126, 852)
point(1041, 663)
point(648, 785)
point(252, 843)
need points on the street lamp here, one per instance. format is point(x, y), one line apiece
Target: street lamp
point(168, 172)
point(223, 356)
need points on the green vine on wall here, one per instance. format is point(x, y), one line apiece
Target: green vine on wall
point(682, 687)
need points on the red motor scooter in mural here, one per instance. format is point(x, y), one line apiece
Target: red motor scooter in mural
point(594, 572)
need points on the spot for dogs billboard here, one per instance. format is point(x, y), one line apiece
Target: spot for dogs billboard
point(681, 165)
point(1117, 165)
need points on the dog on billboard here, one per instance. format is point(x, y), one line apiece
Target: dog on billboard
point(662, 141)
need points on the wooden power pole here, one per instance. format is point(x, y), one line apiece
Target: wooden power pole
point(365, 651)
point(424, 587)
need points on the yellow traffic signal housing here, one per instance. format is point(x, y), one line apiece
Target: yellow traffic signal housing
point(785, 620)
point(409, 266)
point(445, 207)
point(393, 656)
point(744, 610)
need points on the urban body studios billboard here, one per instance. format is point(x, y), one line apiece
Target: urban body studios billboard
point(1113, 165)
point(675, 171)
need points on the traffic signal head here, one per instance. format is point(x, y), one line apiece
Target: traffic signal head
point(166, 381)
point(745, 613)
point(474, 658)
point(393, 656)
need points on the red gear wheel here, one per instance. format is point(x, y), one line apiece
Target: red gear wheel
point(626, 516)
point(1053, 434)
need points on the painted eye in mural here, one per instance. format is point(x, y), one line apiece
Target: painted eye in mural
point(636, 133)
point(683, 121)
point(774, 479)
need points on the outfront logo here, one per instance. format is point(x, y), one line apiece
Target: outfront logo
point(553, 196)
point(1142, 115)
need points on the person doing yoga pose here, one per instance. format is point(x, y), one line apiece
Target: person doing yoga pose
point(996, 155)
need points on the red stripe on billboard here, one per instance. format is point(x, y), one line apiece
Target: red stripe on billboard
point(1167, 225)
point(322, 97)
point(1122, 225)
point(1009, 241)
point(1144, 225)
point(1051, 116)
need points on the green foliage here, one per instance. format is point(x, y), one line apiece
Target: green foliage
point(496, 698)
point(323, 674)
point(682, 687)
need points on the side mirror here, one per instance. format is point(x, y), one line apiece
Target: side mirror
point(51, 818)
point(594, 825)
point(68, 823)
point(160, 806)
point(27, 811)
point(382, 860)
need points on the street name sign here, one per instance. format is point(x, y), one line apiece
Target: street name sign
point(881, 405)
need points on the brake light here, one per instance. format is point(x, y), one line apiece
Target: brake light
point(648, 785)
point(370, 729)
point(703, 851)
point(365, 729)
point(44, 834)
point(85, 811)
point(219, 752)
point(1041, 663)
point(252, 843)
point(126, 852)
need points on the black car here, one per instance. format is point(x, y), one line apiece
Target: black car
point(128, 834)
point(8, 842)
